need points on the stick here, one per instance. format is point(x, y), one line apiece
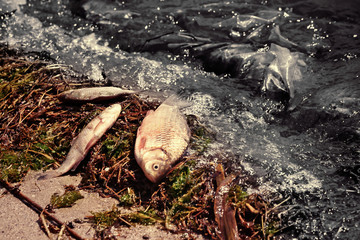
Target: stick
point(43, 220)
point(36, 207)
point(61, 232)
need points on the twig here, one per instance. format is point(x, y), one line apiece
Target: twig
point(61, 232)
point(129, 224)
point(262, 226)
point(111, 190)
point(36, 207)
point(41, 98)
point(43, 220)
point(252, 209)
point(278, 205)
point(42, 154)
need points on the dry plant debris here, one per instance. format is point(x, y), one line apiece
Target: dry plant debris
point(36, 132)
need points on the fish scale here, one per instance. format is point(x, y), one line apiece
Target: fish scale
point(162, 139)
point(169, 144)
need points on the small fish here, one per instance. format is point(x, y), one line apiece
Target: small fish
point(85, 140)
point(94, 94)
point(162, 138)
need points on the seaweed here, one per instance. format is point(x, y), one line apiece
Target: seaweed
point(68, 199)
point(37, 130)
point(128, 198)
point(27, 108)
point(201, 136)
point(15, 164)
point(105, 219)
point(148, 217)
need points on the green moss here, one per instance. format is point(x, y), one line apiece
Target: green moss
point(128, 198)
point(44, 148)
point(20, 78)
point(10, 174)
point(114, 146)
point(148, 217)
point(23, 86)
point(105, 219)
point(201, 137)
point(272, 228)
point(10, 168)
point(14, 165)
point(186, 195)
point(68, 199)
point(5, 89)
point(237, 195)
point(179, 182)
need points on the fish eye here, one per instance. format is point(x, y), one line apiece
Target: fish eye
point(156, 167)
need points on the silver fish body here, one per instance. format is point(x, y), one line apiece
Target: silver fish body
point(94, 94)
point(85, 140)
point(161, 139)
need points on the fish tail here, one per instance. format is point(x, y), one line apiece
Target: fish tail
point(176, 100)
point(48, 174)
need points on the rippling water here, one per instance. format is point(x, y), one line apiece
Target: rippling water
point(304, 146)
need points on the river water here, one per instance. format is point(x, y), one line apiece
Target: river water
point(277, 81)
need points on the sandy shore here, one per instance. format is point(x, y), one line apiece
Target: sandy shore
point(21, 222)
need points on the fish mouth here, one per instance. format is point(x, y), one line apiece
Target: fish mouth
point(155, 178)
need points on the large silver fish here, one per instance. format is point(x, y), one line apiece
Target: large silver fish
point(162, 139)
point(85, 140)
point(94, 94)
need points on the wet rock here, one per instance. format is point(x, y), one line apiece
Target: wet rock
point(351, 172)
point(226, 22)
point(107, 10)
point(342, 96)
point(331, 111)
point(174, 42)
point(343, 129)
point(6, 15)
point(306, 118)
point(277, 68)
point(329, 125)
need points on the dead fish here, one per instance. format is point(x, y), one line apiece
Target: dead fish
point(162, 138)
point(85, 140)
point(94, 94)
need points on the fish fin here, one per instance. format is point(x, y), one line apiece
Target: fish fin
point(48, 174)
point(142, 142)
point(148, 113)
point(61, 96)
point(73, 141)
point(76, 165)
point(176, 100)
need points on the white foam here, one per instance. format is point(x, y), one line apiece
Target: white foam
point(202, 104)
point(301, 181)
